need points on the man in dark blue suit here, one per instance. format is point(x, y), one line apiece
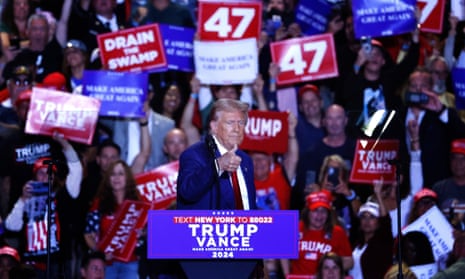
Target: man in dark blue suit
point(214, 174)
point(207, 169)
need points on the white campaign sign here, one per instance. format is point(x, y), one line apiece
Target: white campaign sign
point(438, 230)
point(232, 62)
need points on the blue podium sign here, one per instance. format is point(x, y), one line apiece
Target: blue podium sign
point(203, 234)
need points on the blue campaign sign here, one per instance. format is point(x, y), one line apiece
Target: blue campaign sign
point(179, 47)
point(312, 16)
point(378, 18)
point(202, 234)
point(458, 77)
point(122, 93)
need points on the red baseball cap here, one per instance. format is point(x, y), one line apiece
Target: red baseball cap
point(10, 251)
point(425, 193)
point(458, 146)
point(39, 164)
point(55, 80)
point(319, 199)
point(309, 87)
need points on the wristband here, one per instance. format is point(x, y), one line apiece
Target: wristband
point(194, 96)
point(272, 80)
point(352, 196)
point(356, 68)
point(142, 124)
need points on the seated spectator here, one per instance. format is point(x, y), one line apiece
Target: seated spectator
point(93, 266)
point(373, 250)
point(393, 272)
point(423, 200)
point(20, 81)
point(318, 235)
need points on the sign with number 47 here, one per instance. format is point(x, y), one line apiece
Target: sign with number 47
point(304, 59)
point(220, 21)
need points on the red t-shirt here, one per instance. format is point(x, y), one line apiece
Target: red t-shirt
point(313, 245)
point(275, 184)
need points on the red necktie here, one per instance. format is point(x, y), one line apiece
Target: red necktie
point(237, 190)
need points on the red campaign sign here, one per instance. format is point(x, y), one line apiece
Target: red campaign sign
point(121, 238)
point(371, 161)
point(134, 49)
point(304, 59)
point(220, 21)
point(74, 116)
point(266, 131)
point(432, 15)
point(158, 186)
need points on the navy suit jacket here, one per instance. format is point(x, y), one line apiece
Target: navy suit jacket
point(200, 187)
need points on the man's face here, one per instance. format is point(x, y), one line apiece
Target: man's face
point(261, 165)
point(310, 104)
point(457, 164)
point(229, 128)
point(38, 33)
point(107, 156)
point(18, 84)
point(439, 72)
point(175, 143)
point(376, 60)
point(227, 92)
point(95, 270)
point(419, 81)
point(104, 7)
point(21, 9)
point(335, 120)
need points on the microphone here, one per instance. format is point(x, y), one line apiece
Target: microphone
point(51, 162)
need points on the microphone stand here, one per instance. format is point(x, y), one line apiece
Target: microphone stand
point(50, 165)
point(397, 165)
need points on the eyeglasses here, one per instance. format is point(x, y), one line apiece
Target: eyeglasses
point(24, 82)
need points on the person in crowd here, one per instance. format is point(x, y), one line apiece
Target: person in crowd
point(20, 80)
point(457, 269)
point(41, 55)
point(169, 104)
point(13, 24)
point(423, 200)
point(93, 266)
point(76, 59)
point(309, 129)
point(318, 235)
point(335, 142)
point(126, 134)
point(167, 12)
point(95, 17)
point(330, 267)
point(417, 252)
point(393, 272)
point(9, 258)
point(32, 204)
point(334, 177)
point(373, 250)
point(273, 180)
point(174, 144)
point(452, 190)
point(372, 84)
point(436, 127)
point(118, 185)
point(439, 69)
